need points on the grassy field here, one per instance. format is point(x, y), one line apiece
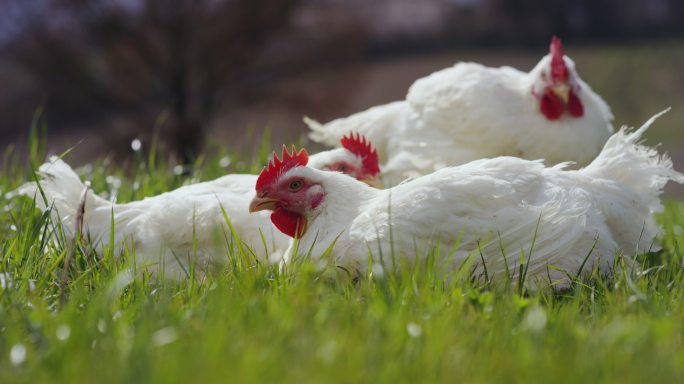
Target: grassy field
point(254, 323)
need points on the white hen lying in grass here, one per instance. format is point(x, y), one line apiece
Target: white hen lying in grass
point(469, 112)
point(565, 221)
point(185, 226)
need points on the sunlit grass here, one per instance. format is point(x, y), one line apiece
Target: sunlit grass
point(252, 322)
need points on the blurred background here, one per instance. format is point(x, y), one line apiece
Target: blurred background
point(105, 72)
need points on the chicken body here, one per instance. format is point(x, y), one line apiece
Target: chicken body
point(555, 216)
point(469, 111)
point(175, 230)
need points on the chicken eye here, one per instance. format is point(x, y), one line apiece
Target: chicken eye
point(295, 185)
point(342, 168)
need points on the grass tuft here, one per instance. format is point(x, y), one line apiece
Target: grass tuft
point(306, 322)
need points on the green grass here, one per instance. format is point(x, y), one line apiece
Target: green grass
point(254, 323)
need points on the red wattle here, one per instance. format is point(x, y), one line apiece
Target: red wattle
point(289, 223)
point(551, 106)
point(575, 107)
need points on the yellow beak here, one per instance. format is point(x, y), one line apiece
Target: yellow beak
point(261, 204)
point(562, 91)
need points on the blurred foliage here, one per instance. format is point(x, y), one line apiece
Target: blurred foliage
point(120, 63)
point(126, 68)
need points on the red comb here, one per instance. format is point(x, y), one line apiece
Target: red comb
point(277, 167)
point(559, 72)
point(358, 145)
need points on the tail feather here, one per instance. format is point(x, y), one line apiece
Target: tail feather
point(626, 160)
point(319, 133)
point(63, 190)
point(378, 124)
point(641, 173)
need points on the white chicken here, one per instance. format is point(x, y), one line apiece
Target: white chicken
point(469, 112)
point(556, 216)
point(187, 225)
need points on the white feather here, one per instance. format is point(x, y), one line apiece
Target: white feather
point(164, 229)
point(377, 124)
point(174, 229)
point(468, 112)
point(602, 209)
